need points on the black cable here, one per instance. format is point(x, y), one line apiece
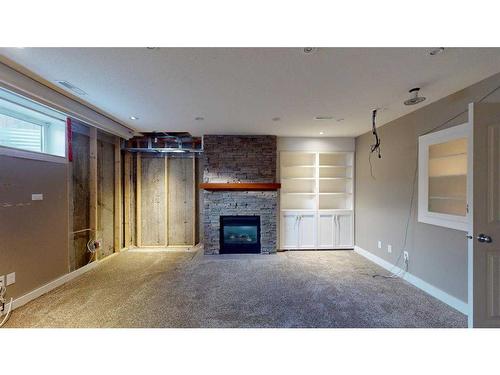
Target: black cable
point(376, 146)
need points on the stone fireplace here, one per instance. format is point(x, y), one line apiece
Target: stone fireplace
point(239, 159)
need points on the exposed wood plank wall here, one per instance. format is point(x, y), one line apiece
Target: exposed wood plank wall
point(93, 183)
point(117, 243)
point(181, 202)
point(138, 216)
point(127, 185)
point(152, 200)
point(80, 197)
point(133, 201)
point(159, 200)
point(106, 194)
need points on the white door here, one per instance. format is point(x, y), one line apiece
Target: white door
point(344, 231)
point(326, 227)
point(289, 231)
point(484, 241)
point(307, 231)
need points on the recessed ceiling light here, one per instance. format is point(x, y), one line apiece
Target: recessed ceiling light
point(436, 51)
point(72, 87)
point(134, 118)
point(323, 118)
point(309, 49)
point(276, 119)
point(321, 133)
point(199, 118)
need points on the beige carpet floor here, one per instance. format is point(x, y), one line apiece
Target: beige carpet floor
point(183, 289)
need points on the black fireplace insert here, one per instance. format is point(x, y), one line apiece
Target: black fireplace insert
point(239, 234)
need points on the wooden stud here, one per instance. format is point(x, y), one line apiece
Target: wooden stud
point(166, 200)
point(138, 221)
point(93, 184)
point(126, 192)
point(117, 240)
point(195, 217)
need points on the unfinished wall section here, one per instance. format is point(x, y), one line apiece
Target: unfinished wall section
point(159, 200)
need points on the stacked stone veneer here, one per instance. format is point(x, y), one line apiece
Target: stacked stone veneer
point(229, 158)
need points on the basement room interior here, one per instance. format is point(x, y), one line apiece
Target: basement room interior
point(294, 187)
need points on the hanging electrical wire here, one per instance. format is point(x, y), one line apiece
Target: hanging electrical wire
point(376, 146)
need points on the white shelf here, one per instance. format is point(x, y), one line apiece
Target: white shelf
point(299, 193)
point(463, 199)
point(335, 193)
point(326, 184)
point(335, 178)
point(298, 178)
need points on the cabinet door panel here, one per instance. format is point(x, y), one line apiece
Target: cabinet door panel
point(326, 231)
point(344, 231)
point(307, 225)
point(290, 231)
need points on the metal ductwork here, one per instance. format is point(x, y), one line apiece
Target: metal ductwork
point(165, 142)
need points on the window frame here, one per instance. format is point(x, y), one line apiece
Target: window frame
point(28, 154)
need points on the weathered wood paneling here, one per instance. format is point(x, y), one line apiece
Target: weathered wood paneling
point(133, 202)
point(105, 195)
point(80, 201)
point(152, 200)
point(181, 202)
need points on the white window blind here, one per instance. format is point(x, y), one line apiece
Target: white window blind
point(20, 134)
point(29, 126)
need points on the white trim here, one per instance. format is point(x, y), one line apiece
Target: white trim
point(18, 153)
point(470, 233)
point(454, 302)
point(30, 296)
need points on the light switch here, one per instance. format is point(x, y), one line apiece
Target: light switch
point(37, 197)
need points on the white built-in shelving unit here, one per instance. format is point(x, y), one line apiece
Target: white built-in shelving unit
point(444, 170)
point(316, 199)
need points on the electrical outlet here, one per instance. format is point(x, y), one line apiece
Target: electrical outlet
point(389, 248)
point(406, 256)
point(11, 278)
point(379, 244)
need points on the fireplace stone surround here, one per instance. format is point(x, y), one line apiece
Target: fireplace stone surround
point(240, 159)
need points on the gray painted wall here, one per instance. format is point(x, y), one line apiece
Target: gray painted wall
point(437, 255)
point(33, 234)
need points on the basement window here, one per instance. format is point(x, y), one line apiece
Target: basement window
point(29, 129)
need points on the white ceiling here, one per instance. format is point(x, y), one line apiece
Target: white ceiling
point(240, 90)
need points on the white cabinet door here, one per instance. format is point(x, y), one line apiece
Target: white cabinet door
point(335, 230)
point(307, 231)
point(326, 225)
point(344, 231)
point(289, 231)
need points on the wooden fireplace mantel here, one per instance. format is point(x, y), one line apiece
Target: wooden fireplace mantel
point(239, 186)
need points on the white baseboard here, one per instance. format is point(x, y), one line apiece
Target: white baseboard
point(30, 296)
point(419, 283)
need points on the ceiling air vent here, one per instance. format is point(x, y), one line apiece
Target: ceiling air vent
point(72, 87)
